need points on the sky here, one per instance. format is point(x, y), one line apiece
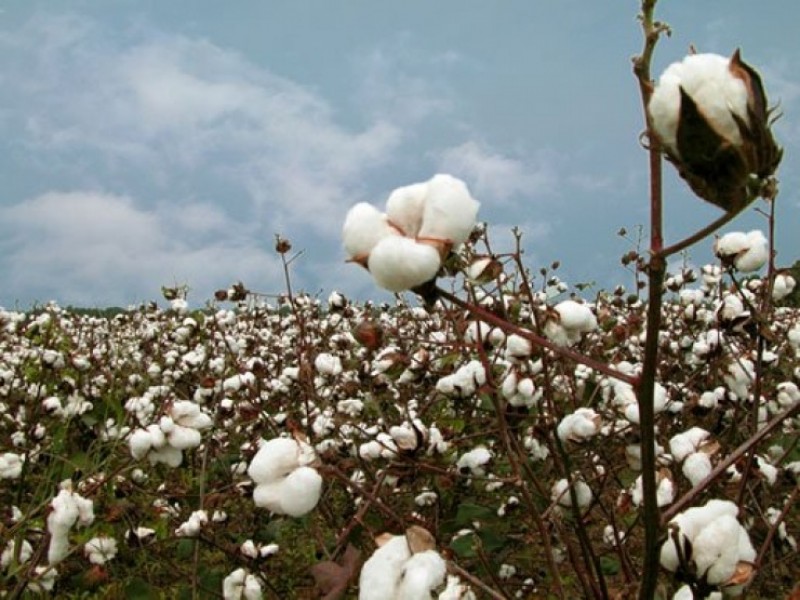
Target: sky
point(147, 143)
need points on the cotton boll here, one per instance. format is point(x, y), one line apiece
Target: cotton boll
point(421, 573)
point(381, 572)
point(100, 550)
point(275, 458)
point(560, 493)
point(582, 424)
point(363, 228)
point(783, 285)
point(399, 263)
point(184, 438)
point(169, 455)
point(707, 79)
point(683, 444)
point(405, 208)
point(299, 492)
point(11, 465)
point(715, 550)
point(474, 461)
point(450, 210)
point(756, 254)
point(697, 467)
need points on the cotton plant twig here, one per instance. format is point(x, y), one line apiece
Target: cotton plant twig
point(721, 467)
point(537, 340)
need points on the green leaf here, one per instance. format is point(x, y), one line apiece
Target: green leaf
point(467, 513)
point(139, 589)
point(609, 565)
point(464, 546)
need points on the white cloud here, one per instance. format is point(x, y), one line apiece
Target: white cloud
point(88, 247)
point(177, 106)
point(494, 176)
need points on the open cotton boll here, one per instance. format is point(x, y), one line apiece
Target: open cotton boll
point(100, 550)
point(474, 461)
point(696, 467)
point(683, 444)
point(716, 550)
point(580, 425)
point(421, 573)
point(277, 458)
point(241, 585)
point(783, 285)
point(299, 492)
point(450, 210)
point(399, 263)
point(707, 79)
point(747, 251)
point(68, 508)
point(406, 206)
point(363, 228)
point(381, 572)
point(561, 495)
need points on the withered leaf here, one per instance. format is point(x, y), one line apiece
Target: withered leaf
point(333, 578)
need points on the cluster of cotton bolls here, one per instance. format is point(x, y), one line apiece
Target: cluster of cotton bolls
point(405, 246)
point(176, 431)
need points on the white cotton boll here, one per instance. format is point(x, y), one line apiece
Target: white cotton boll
point(241, 585)
point(184, 438)
point(363, 228)
point(580, 425)
point(474, 461)
point(665, 491)
point(381, 572)
point(697, 467)
point(517, 347)
point(783, 285)
point(192, 526)
point(328, 364)
point(10, 551)
point(755, 256)
point(576, 316)
point(707, 79)
point(456, 590)
point(277, 458)
point(509, 386)
point(684, 444)
point(561, 495)
point(168, 455)
point(300, 492)
point(405, 208)
point(731, 244)
point(715, 550)
point(421, 573)
point(140, 442)
point(11, 465)
point(399, 263)
point(100, 550)
point(450, 210)
point(788, 394)
point(188, 414)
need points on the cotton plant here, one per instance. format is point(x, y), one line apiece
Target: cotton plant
point(404, 247)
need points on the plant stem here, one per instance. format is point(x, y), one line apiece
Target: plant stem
point(656, 269)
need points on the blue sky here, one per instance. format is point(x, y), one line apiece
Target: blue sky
point(145, 142)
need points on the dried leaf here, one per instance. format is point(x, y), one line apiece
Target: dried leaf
point(333, 578)
point(743, 574)
point(419, 539)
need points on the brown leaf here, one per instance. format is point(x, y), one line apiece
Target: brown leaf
point(419, 539)
point(333, 578)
